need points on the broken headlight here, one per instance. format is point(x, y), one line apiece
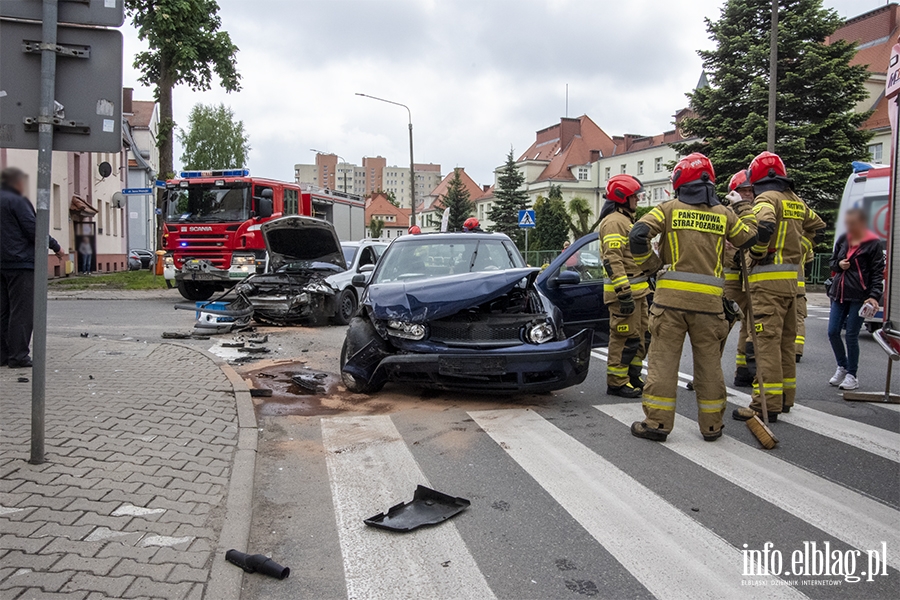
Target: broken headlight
point(407, 331)
point(540, 332)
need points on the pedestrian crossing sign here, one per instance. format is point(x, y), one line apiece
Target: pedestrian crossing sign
point(526, 218)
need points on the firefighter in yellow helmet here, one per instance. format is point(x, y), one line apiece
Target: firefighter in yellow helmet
point(772, 283)
point(693, 230)
point(625, 289)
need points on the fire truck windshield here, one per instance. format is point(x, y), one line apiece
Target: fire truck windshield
point(209, 203)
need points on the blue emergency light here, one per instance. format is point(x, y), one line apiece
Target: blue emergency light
point(220, 173)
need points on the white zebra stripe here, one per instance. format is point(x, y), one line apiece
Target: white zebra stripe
point(682, 559)
point(849, 516)
point(371, 469)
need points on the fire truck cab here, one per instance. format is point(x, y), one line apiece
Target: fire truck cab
point(212, 224)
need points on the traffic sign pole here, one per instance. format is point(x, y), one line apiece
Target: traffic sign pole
point(42, 228)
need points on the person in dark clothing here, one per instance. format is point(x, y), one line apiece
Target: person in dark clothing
point(17, 230)
point(858, 279)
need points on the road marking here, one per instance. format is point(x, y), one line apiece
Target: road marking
point(853, 433)
point(893, 407)
point(371, 469)
point(858, 520)
point(671, 554)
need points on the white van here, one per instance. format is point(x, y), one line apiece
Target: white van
point(868, 188)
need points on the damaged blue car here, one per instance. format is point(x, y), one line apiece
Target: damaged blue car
point(461, 311)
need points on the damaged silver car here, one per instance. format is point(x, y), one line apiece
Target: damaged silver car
point(303, 253)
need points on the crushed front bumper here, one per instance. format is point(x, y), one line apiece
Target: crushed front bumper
point(525, 368)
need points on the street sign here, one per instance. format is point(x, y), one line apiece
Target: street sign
point(137, 191)
point(160, 183)
point(526, 218)
point(88, 116)
point(892, 84)
point(101, 13)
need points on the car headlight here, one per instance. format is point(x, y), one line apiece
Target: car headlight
point(241, 260)
point(407, 331)
point(540, 332)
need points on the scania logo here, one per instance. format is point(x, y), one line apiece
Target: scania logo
point(200, 228)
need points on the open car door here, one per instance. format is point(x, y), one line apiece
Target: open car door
point(579, 298)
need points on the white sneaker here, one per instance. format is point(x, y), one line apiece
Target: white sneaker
point(838, 376)
point(849, 383)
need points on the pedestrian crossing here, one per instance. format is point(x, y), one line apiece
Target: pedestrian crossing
point(374, 462)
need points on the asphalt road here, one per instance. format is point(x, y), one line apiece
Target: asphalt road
point(564, 502)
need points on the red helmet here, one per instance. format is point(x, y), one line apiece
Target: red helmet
point(471, 224)
point(414, 230)
point(620, 187)
point(691, 168)
point(765, 165)
point(738, 180)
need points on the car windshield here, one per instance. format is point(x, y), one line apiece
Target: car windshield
point(412, 261)
point(349, 252)
point(209, 203)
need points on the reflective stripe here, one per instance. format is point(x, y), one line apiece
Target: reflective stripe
point(739, 227)
point(659, 402)
point(693, 277)
point(641, 258)
point(711, 406)
point(673, 246)
point(732, 276)
point(800, 340)
point(636, 362)
point(772, 276)
point(614, 237)
point(801, 283)
point(634, 288)
point(657, 214)
point(770, 268)
point(740, 360)
point(790, 383)
point(779, 242)
point(617, 370)
point(685, 286)
point(637, 283)
point(720, 243)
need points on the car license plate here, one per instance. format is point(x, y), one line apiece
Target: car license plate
point(452, 365)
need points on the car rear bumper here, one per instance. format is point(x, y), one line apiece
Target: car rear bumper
point(525, 368)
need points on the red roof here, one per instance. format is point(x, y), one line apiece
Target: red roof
point(379, 205)
point(432, 200)
point(569, 142)
point(142, 113)
point(875, 32)
point(486, 194)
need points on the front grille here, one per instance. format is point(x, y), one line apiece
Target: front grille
point(479, 331)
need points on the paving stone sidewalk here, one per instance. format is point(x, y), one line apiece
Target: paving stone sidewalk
point(131, 500)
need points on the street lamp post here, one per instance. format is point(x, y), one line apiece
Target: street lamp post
point(412, 164)
point(339, 158)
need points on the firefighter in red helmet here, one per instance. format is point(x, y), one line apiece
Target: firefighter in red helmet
point(739, 189)
point(471, 224)
point(792, 229)
point(414, 230)
point(693, 229)
point(625, 289)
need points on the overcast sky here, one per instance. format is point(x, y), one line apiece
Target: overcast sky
point(479, 75)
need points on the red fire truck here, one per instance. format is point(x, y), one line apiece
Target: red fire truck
point(212, 220)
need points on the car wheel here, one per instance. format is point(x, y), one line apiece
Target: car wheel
point(195, 292)
point(345, 308)
point(359, 334)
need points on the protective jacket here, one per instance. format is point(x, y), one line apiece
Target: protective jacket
point(692, 243)
point(622, 273)
point(793, 229)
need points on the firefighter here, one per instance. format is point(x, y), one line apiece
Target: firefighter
point(693, 230)
point(414, 230)
point(739, 189)
point(790, 226)
point(625, 289)
point(472, 224)
point(805, 264)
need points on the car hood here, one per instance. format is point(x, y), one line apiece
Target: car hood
point(427, 299)
point(302, 240)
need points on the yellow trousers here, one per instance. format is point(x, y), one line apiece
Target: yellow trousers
point(628, 340)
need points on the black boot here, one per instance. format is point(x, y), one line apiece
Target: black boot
point(625, 391)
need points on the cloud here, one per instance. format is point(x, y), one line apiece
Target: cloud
point(479, 76)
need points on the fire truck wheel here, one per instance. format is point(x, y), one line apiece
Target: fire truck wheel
point(194, 291)
point(345, 307)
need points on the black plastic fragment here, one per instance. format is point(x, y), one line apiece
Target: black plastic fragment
point(428, 507)
point(261, 392)
point(257, 563)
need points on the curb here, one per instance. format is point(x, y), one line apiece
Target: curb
point(225, 580)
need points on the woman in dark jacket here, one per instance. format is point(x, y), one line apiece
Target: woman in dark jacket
point(858, 279)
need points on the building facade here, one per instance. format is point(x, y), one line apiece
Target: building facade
point(395, 219)
point(140, 133)
point(429, 209)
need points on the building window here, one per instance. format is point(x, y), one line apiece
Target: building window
point(657, 164)
point(583, 174)
point(640, 170)
point(622, 169)
point(606, 173)
point(876, 151)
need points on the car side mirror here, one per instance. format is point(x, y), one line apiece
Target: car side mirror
point(366, 268)
point(265, 205)
point(567, 278)
point(361, 279)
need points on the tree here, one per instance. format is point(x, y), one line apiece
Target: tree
point(581, 214)
point(391, 197)
point(214, 140)
point(458, 200)
point(186, 47)
point(551, 222)
point(817, 130)
point(509, 200)
point(376, 228)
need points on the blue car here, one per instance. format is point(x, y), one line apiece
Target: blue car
point(463, 311)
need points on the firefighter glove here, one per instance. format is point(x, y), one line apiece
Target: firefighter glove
point(626, 303)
